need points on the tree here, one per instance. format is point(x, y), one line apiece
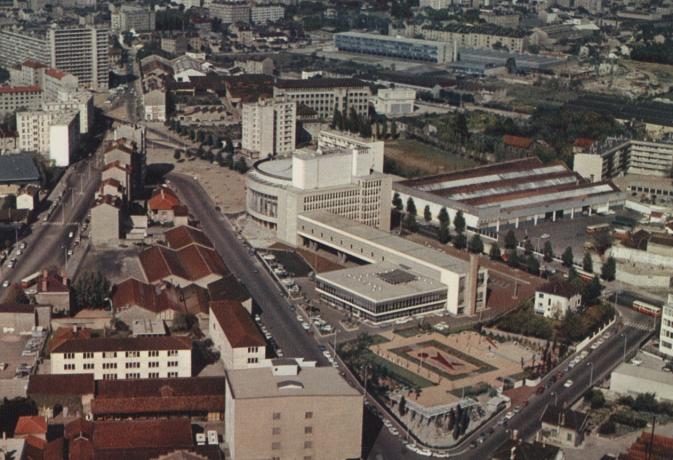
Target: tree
point(411, 207)
point(184, 322)
point(609, 269)
point(336, 119)
point(587, 263)
point(393, 129)
point(476, 246)
point(397, 202)
point(532, 265)
point(591, 291)
point(443, 216)
point(403, 406)
point(427, 215)
point(177, 154)
point(353, 120)
point(510, 65)
point(443, 234)
point(460, 241)
point(547, 252)
point(91, 290)
point(567, 257)
point(410, 223)
point(510, 240)
point(494, 253)
point(528, 247)
point(459, 222)
point(513, 258)
point(241, 166)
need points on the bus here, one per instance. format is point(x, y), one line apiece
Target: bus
point(646, 308)
point(30, 280)
point(597, 228)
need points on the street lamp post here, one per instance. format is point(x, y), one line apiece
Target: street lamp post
point(591, 374)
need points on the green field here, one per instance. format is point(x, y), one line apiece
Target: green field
point(413, 158)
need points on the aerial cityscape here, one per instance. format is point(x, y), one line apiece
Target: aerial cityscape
point(336, 229)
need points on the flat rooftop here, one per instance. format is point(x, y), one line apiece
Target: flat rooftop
point(648, 369)
point(511, 185)
point(280, 168)
point(309, 381)
point(382, 282)
point(425, 255)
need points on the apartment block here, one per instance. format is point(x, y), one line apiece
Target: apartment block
point(53, 134)
point(292, 410)
point(83, 52)
point(261, 14)
point(326, 94)
point(230, 12)
point(112, 358)
point(468, 37)
point(269, 127)
point(13, 98)
point(17, 46)
point(132, 17)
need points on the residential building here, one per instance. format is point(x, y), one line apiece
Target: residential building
point(176, 45)
point(133, 17)
point(74, 392)
point(54, 289)
point(13, 98)
point(31, 425)
point(52, 133)
point(235, 335)
point(435, 4)
point(256, 65)
point(562, 427)
point(555, 299)
point(83, 52)
point(394, 102)
point(200, 399)
point(28, 198)
point(78, 101)
point(230, 12)
point(154, 103)
point(666, 334)
point(163, 205)
point(619, 156)
point(347, 181)
point(411, 49)
point(510, 20)
point(18, 46)
point(485, 36)
point(112, 358)
point(261, 14)
point(289, 409)
point(269, 127)
point(511, 192)
point(24, 318)
point(105, 221)
point(326, 94)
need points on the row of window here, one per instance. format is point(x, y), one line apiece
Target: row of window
point(136, 375)
point(113, 354)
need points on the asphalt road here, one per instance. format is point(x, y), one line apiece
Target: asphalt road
point(276, 315)
point(47, 242)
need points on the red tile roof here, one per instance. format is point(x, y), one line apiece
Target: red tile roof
point(80, 449)
point(119, 344)
point(55, 384)
point(52, 282)
point(39, 449)
point(240, 329)
point(77, 427)
point(561, 288)
point(518, 142)
point(33, 63)
point(63, 334)
point(184, 235)
point(55, 73)
point(137, 434)
point(583, 142)
point(31, 424)
point(192, 263)
point(163, 199)
point(650, 447)
point(156, 299)
point(19, 89)
point(154, 396)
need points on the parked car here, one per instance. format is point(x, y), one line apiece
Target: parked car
point(568, 383)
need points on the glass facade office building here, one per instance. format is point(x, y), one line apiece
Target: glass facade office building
point(395, 47)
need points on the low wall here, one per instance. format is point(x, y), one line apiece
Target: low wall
point(512, 336)
point(584, 343)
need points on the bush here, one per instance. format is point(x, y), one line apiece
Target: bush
point(629, 419)
point(608, 427)
point(524, 321)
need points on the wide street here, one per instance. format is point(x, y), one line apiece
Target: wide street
point(276, 314)
point(47, 242)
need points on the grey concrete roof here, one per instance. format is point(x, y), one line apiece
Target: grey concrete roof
point(309, 381)
point(18, 169)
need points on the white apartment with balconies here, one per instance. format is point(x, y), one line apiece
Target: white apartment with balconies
point(269, 126)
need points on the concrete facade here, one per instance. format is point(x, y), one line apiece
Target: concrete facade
point(269, 127)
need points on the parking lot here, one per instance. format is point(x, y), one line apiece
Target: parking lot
point(18, 354)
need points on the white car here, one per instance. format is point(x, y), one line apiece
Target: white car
point(5, 283)
point(568, 383)
point(327, 354)
point(306, 326)
point(509, 415)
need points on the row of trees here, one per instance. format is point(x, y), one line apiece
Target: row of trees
point(364, 125)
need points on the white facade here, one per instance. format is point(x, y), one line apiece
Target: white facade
point(235, 357)
point(666, 335)
point(266, 13)
point(131, 364)
point(83, 52)
point(230, 12)
point(555, 306)
point(154, 103)
point(435, 4)
point(19, 97)
point(324, 95)
point(63, 138)
point(394, 101)
point(269, 127)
